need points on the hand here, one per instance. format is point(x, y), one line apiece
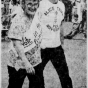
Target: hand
point(29, 68)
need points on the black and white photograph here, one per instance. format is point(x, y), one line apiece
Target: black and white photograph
point(43, 43)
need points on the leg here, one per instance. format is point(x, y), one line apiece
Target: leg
point(60, 65)
point(37, 80)
point(16, 78)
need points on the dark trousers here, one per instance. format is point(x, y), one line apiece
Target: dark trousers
point(16, 78)
point(57, 57)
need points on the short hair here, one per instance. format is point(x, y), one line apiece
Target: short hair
point(14, 2)
point(23, 3)
point(76, 15)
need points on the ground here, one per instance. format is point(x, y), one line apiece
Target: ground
point(75, 51)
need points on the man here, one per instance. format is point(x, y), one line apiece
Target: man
point(25, 58)
point(49, 17)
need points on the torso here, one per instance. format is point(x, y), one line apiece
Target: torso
point(20, 29)
point(52, 16)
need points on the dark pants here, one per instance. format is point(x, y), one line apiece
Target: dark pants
point(57, 57)
point(16, 78)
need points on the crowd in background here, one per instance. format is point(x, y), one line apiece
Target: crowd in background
point(10, 7)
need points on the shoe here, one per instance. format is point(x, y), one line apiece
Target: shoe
point(68, 37)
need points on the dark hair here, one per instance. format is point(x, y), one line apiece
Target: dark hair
point(23, 3)
point(76, 15)
point(15, 2)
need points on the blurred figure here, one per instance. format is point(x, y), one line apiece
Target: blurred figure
point(76, 19)
point(68, 8)
point(15, 8)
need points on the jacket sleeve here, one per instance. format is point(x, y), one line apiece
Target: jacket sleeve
point(36, 23)
point(63, 9)
point(37, 18)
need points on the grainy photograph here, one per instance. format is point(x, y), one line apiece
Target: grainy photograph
point(43, 43)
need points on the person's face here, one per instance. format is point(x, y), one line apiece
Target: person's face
point(31, 6)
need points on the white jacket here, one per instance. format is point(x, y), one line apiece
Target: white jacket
point(49, 16)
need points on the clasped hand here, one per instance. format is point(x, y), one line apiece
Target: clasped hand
point(29, 68)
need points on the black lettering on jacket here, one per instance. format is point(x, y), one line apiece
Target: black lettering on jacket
point(49, 10)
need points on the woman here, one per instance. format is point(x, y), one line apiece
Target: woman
point(25, 59)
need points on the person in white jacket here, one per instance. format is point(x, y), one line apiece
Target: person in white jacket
point(49, 17)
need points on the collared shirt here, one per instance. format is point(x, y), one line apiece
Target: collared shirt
point(30, 39)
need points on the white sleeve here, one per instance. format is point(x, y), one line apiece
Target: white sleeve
point(36, 20)
point(63, 9)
